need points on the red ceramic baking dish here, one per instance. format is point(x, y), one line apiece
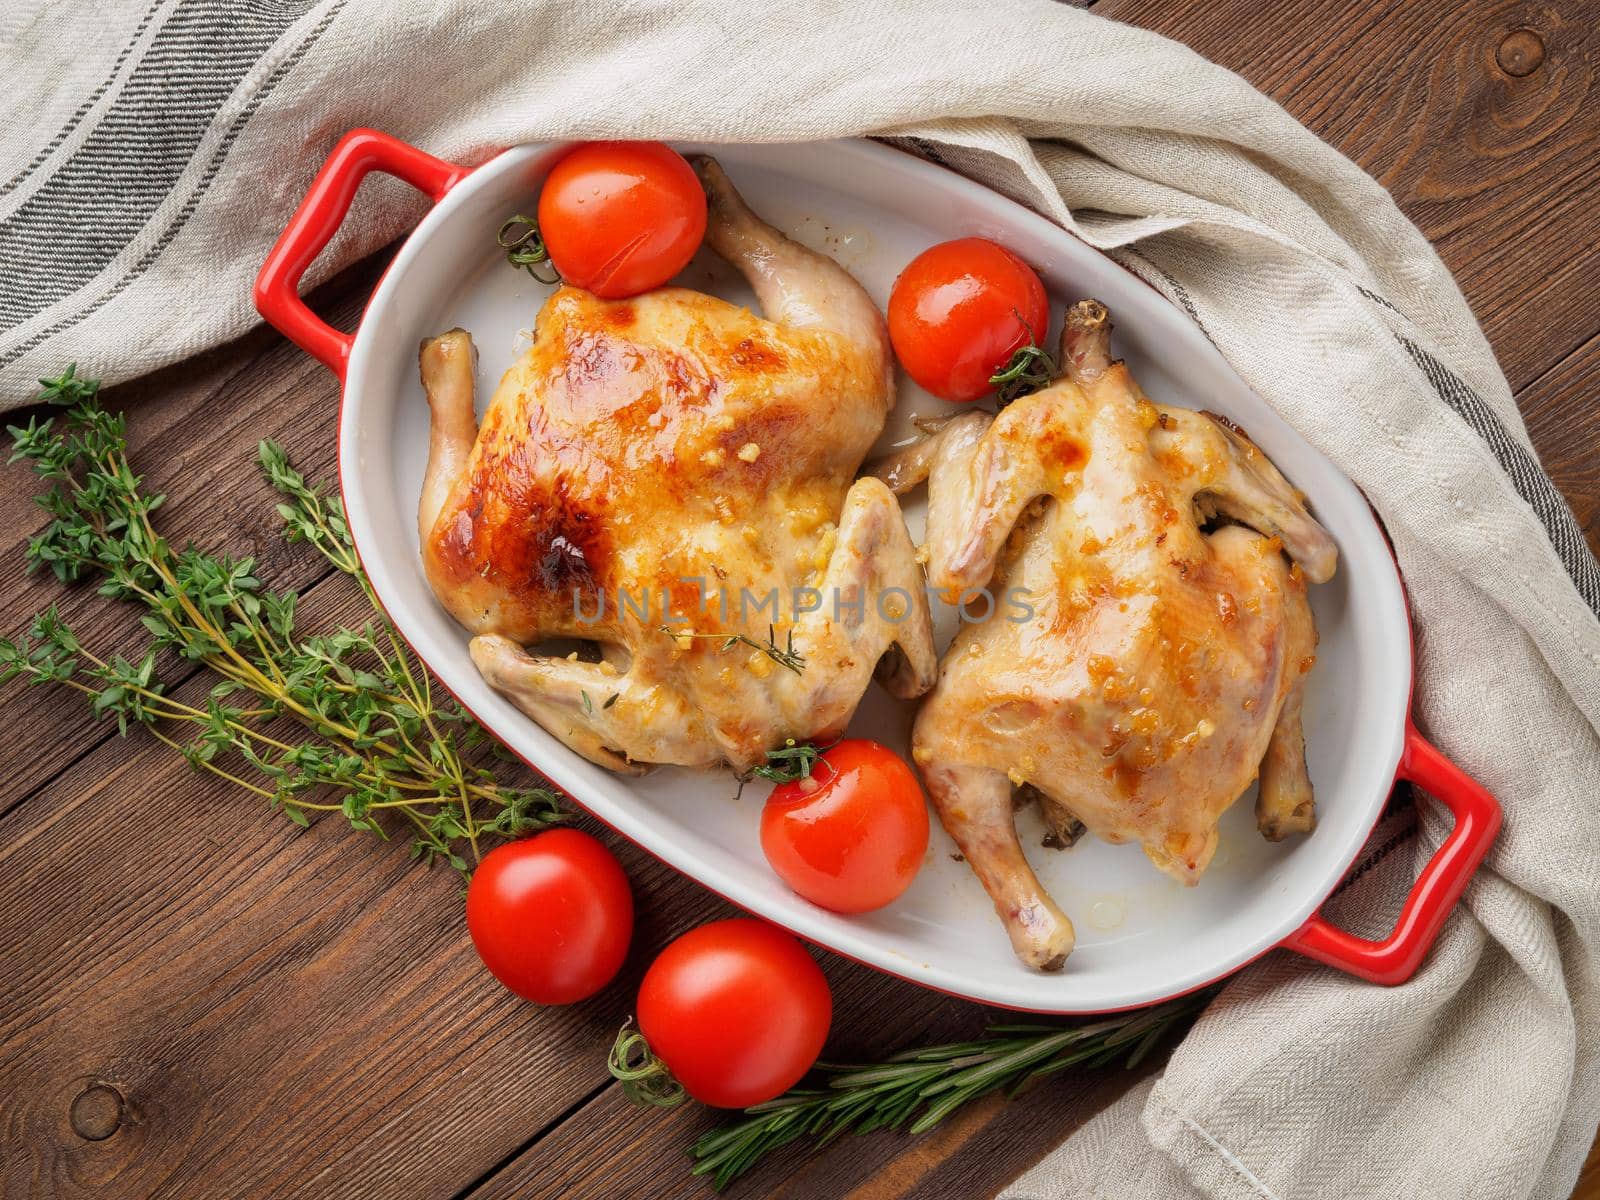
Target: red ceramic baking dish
point(1142, 937)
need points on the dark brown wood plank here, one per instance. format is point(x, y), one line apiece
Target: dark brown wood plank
point(235, 1008)
point(198, 999)
point(974, 1153)
point(1480, 117)
point(272, 1012)
point(1589, 1178)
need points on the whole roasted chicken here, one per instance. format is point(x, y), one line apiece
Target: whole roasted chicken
point(670, 480)
point(1145, 670)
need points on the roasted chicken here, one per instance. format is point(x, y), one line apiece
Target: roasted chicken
point(1151, 662)
point(670, 481)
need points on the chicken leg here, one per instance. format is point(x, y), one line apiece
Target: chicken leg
point(975, 805)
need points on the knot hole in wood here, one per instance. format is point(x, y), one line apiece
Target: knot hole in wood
point(1520, 53)
point(97, 1112)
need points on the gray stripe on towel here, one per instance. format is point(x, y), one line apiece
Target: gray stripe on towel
point(1532, 484)
point(193, 202)
point(77, 117)
point(107, 190)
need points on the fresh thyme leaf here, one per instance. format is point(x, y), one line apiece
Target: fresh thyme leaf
point(524, 246)
point(375, 742)
point(588, 704)
point(785, 656)
point(792, 762)
point(918, 1088)
point(1029, 369)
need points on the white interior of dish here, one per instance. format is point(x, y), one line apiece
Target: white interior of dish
point(1140, 935)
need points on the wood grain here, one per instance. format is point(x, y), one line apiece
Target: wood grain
point(1589, 1178)
point(1488, 164)
point(975, 1153)
point(197, 1000)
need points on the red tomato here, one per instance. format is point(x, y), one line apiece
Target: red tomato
point(620, 218)
point(737, 1010)
point(551, 916)
point(856, 840)
point(960, 310)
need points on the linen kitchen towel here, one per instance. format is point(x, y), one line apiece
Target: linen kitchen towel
point(150, 151)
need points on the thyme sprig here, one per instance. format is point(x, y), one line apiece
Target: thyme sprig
point(1030, 368)
point(792, 762)
point(917, 1089)
point(524, 245)
point(374, 739)
point(785, 656)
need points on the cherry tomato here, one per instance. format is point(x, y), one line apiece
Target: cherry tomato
point(960, 310)
point(620, 218)
point(551, 916)
point(855, 841)
point(737, 1010)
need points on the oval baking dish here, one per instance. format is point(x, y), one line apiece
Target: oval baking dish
point(1141, 937)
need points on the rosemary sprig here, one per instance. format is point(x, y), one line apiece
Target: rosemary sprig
point(524, 245)
point(785, 656)
point(1029, 369)
point(377, 740)
point(917, 1089)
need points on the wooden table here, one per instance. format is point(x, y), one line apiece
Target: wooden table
point(196, 999)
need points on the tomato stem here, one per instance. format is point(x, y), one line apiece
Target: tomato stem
point(645, 1079)
point(1029, 370)
point(524, 245)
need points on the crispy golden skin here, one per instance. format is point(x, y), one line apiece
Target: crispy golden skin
point(675, 451)
point(1162, 667)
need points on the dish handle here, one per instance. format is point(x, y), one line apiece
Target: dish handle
point(277, 290)
point(1395, 959)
